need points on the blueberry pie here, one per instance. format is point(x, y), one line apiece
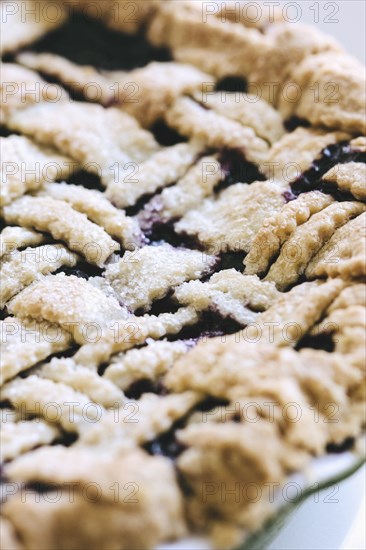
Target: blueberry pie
point(183, 258)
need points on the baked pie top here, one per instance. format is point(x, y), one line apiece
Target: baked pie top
point(183, 196)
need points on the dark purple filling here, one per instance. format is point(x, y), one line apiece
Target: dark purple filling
point(237, 169)
point(5, 132)
point(167, 444)
point(211, 325)
point(165, 135)
point(40, 487)
point(87, 180)
point(322, 341)
point(66, 439)
point(5, 404)
point(211, 403)
point(138, 388)
point(295, 122)
point(338, 153)
point(337, 448)
point(82, 271)
point(164, 305)
point(165, 233)
point(231, 260)
point(74, 94)
point(232, 84)
point(149, 206)
point(87, 42)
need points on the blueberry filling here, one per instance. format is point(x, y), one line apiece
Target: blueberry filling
point(231, 260)
point(165, 305)
point(74, 94)
point(323, 341)
point(66, 439)
point(40, 487)
point(337, 448)
point(87, 42)
point(295, 122)
point(87, 180)
point(338, 153)
point(165, 232)
point(165, 135)
point(6, 132)
point(149, 215)
point(210, 325)
point(82, 271)
point(211, 403)
point(237, 169)
point(232, 84)
point(139, 387)
point(5, 404)
point(167, 444)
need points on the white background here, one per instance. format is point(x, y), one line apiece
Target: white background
point(344, 19)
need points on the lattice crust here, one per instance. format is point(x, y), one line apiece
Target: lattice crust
point(64, 223)
point(344, 254)
point(26, 167)
point(156, 86)
point(156, 414)
point(198, 183)
point(29, 341)
point(83, 379)
point(84, 80)
point(294, 152)
point(19, 437)
point(148, 363)
point(147, 232)
point(14, 238)
point(23, 268)
point(276, 230)
point(20, 30)
point(232, 220)
point(54, 402)
point(73, 303)
point(345, 323)
point(273, 375)
point(350, 178)
point(21, 87)
point(231, 294)
point(134, 332)
point(161, 169)
point(216, 45)
point(339, 84)
point(247, 109)
point(142, 277)
point(290, 318)
point(352, 295)
point(99, 210)
point(101, 140)
point(194, 121)
point(146, 503)
point(308, 239)
point(144, 93)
